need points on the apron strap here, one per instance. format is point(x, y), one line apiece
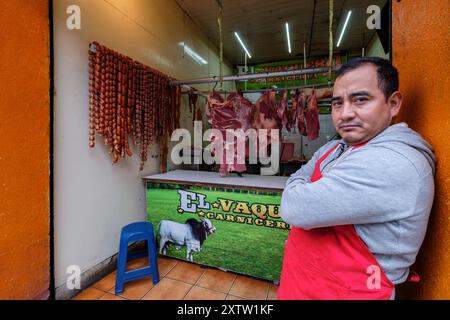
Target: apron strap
point(317, 175)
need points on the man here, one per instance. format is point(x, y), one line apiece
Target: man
point(359, 208)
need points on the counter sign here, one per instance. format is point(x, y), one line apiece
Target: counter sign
point(235, 228)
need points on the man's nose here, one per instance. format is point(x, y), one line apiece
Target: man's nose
point(347, 111)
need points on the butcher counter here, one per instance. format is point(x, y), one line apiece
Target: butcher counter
point(239, 215)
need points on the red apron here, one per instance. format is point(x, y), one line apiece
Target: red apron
point(330, 263)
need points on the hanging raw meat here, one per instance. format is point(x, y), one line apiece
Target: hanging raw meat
point(198, 115)
point(234, 113)
point(301, 114)
point(230, 114)
point(312, 117)
point(292, 115)
point(193, 97)
point(267, 108)
point(214, 100)
point(264, 115)
point(282, 111)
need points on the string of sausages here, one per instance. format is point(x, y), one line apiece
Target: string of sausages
point(127, 98)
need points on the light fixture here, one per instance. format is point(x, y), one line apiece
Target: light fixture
point(345, 27)
point(194, 55)
point(288, 37)
point(242, 44)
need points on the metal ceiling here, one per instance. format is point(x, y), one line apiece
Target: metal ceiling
point(261, 24)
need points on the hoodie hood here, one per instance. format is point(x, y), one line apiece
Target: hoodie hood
point(400, 134)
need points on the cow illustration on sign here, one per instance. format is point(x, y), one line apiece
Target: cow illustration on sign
point(191, 234)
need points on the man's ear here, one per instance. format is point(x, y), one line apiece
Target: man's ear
point(395, 102)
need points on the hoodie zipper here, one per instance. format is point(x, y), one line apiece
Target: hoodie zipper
point(341, 150)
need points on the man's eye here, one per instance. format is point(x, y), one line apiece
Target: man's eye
point(336, 104)
point(360, 100)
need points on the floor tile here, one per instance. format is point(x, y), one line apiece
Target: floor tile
point(186, 272)
point(272, 292)
point(249, 288)
point(90, 294)
point(135, 290)
point(168, 289)
point(137, 263)
point(110, 296)
point(198, 293)
point(216, 280)
point(107, 283)
point(165, 265)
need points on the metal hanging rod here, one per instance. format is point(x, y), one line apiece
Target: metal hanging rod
point(311, 86)
point(252, 76)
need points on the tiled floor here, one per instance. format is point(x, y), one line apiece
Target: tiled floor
point(181, 280)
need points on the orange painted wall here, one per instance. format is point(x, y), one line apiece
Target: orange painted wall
point(420, 45)
point(420, 51)
point(24, 149)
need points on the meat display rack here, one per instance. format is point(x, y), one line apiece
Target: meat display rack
point(310, 86)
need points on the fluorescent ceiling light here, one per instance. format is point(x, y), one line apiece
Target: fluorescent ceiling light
point(345, 27)
point(288, 37)
point(242, 44)
point(194, 55)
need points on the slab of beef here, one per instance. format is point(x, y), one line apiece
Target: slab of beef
point(292, 115)
point(198, 115)
point(301, 114)
point(234, 113)
point(264, 115)
point(282, 111)
point(312, 117)
point(193, 97)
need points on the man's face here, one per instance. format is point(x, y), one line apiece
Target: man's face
point(359, 108)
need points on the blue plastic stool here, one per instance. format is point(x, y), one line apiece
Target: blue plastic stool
point(139, 231)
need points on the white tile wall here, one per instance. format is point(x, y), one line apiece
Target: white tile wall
point(308, 148)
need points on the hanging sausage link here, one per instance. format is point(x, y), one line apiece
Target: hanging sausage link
point(92, 99)
point(101, 115)
point(131, 105)
point(127, 97)
point(143, 154)
point(139, 108)
point(108, 96)
point(98, 65)
point(113, 113)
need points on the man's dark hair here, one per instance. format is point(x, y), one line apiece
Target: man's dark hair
point(387, 74)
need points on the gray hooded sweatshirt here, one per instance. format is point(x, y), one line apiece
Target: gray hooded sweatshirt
point(385, 189)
